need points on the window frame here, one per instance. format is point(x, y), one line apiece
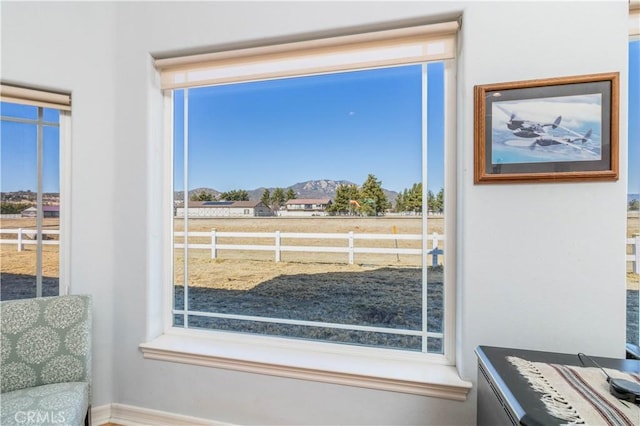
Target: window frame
point(418, 373)
point(61, 102)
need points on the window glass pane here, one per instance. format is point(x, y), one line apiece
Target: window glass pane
point(178, 186)
point(51, 115)
point(8, 109)
point(18, 218)
point(51, 211)
point(27, 258)
point(304, 211)
point(435, 203)
point(633, 197)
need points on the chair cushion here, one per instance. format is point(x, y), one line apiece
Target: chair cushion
point(54, 404)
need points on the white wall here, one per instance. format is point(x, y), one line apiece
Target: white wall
point(541, 265)
point(71, 48)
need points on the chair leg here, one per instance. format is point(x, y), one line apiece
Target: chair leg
point(87, 418)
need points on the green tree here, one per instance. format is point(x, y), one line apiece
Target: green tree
point(431, 201)
point(401, 198)
point(277, 199)
point(435, 203)
point(342, 201)
point(634, 205)
point(13, 208)
point(235, 195)
point(290, 195)
point(374, 200)
point(203, 196)
point(266, 197)
point(406, 200)
point(440, 200)
point(413, 203)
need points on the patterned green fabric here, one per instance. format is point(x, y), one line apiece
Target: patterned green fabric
point(56, 404)
point(46, 341)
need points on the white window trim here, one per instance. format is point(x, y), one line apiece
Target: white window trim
point(417, 373)
point(634, 19)
point(381, 369)
point(64, 248)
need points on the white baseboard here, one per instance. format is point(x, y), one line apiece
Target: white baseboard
point(100, 415)
point(129, 415)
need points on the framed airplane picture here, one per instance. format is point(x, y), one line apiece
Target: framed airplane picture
point(553, 130)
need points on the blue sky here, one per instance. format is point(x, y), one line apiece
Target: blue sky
point(18, 150)
point(336, 126)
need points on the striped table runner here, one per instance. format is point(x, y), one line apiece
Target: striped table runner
point(579, 395)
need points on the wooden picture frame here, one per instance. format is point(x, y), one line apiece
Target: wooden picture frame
point(553, 130)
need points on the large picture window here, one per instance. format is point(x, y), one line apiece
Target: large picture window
point(312, 190)
point(338, 244)
point(30, 190)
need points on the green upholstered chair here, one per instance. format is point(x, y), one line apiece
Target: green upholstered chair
point(45, 366)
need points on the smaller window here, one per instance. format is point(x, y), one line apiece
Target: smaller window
point(30, 188)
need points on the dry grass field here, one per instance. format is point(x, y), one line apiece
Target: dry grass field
point(249, 268)
point(24, 262)
point(234, 269)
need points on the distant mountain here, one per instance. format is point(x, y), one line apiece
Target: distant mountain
point(179, 195)
point(324, 188)
point(321, 188)
point(633, 197)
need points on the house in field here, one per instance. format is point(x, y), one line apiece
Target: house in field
point(306, 207)
point(30, 212)
point(47, 211)
point(225, 209)
point(51, 211)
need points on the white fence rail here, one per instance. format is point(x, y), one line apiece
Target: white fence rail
point(28, 237)
point(278, 248)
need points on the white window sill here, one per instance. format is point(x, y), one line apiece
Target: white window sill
point(381, 369)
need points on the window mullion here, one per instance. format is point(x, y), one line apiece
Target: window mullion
point(39, 207)
point(425, 209)
point(185, 170)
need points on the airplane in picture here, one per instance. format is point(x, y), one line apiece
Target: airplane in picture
point(536, 134)
point(552, 140)
point(526, 128)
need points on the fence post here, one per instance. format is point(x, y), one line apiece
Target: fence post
point(636, 251)
point(19, 239)
point(351, 248)
point(214, 250)
point(435, 251)
point(277, 246)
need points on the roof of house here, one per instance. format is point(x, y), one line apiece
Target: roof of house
point(44, 209)
point(213, 204)
point(309, 201)
point(247, 203)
